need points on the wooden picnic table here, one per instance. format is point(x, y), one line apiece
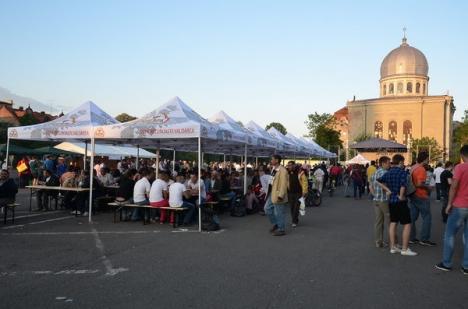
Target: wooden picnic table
point(53, 188)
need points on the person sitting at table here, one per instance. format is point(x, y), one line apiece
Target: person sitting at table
point(61, 167)
point(8, 189)
point(159, 195)
point(214, 182)
point(69, 180)
point(126, 184)
point(81, 206)
point(251, 200)
point(50, 180)
point(192, 185)
point(105, 178)
point(141, 191)
point(226, 192)
point(178, 193)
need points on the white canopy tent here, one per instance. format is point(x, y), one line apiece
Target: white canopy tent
point(264, 139)
point(78, 125)
point(289, 146)
point(105, 150)
point(359, 159)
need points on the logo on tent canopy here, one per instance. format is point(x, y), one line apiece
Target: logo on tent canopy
point(13, 133)
point(161, 118)
point(99, 132)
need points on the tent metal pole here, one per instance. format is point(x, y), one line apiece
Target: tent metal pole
point(173, 162)
point(85, 155)
point(256, 162)
point(7, 152)
point(199, 184)
point(157, 163)
point(91, 180)
point(245, 169)
point(137, 157)
point(224, 163)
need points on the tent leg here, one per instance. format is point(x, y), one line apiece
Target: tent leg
point(173, 162)
point(245, 169)
point(224, 163)
point(137, 157)
point(199, 184)
point(157, 163)
point(256, 162)
point(7, 153)
point(91, 179)
point(85, 155)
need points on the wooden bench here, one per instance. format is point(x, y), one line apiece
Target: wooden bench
point(10, 206)
point(121, 206)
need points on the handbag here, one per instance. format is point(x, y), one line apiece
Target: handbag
point(22, 167)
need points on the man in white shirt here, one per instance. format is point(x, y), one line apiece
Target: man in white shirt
point(192, 185)
point(159, 195)
point(437, 171)
point(319, 174)
point(177, 193)
point(141, 191)
point(105, 177)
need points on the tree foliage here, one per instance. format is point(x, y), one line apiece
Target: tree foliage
point(362, 137)
point(278, 126)
point(428, 144)
point(315, 121)
point(27, 120)
point(124, 117)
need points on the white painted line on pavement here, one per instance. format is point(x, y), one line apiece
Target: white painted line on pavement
point(110, 270)
point(37, 222)
point(38, 214)
point(51, 272)
point(79, 233)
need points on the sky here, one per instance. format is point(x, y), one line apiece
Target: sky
point(256, 60)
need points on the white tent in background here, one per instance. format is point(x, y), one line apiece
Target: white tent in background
point(304, 149)
point(359, 159)
point(225, 122)
point(78, 124)
point(105, 150)
point(264, 139)
point(321, 152)
point(289, 147)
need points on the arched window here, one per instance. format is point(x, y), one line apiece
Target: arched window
point(409, 87)
point(378, 129)
point(390, 89)
point(384, 89)
point(424, 89)
point(418, 87)
point(392, 130)
point(400, 87)
point(407, 131)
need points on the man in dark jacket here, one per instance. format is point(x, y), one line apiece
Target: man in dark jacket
point(48, 179)
point(294, 191)
point(8, 189)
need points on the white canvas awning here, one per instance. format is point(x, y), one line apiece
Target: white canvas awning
point(106, 150)
point(359, 159)
point(78, 124)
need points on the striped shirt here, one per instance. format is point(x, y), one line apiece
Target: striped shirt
point(379, 194)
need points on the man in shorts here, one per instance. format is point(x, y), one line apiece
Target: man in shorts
point(394, 183)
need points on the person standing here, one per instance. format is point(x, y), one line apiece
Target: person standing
point(445, 182)
point(371, 169)
point(380, 201)
point(457, 210)
point(357, 179)
point(277, 198)
point(419, 202)
point(24, 172)
point(437, 172)
point(394, 183)
point(294, 192)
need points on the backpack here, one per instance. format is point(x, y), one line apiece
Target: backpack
point(410, 187)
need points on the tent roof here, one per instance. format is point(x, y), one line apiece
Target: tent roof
point(76, 124)
point(377, 143)
point(225, 122)
point(173, 120)
point(263, 137)
point(359, 159)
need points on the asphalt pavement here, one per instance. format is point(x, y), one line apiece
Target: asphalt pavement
point(55, 260)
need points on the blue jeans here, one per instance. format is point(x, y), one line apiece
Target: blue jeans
point(137, 212)
point(189, 215)
point(456, 218)
point(276, 213)
point(421, 206)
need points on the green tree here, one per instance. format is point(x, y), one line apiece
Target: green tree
point(27, 120)
point(315, 121)
point(328, 138)
point(124, 117)
point(4, 132)
point(278, 126)
point(428, 144)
